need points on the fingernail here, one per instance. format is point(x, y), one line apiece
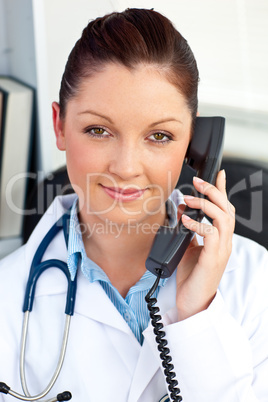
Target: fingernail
point(198, 180)
point(224, 173)
point(186, 217)
point(188, 197)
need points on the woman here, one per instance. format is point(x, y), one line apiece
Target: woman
point(126, 114)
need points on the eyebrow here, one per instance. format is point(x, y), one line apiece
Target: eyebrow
point(96, 114)
point(168, 119)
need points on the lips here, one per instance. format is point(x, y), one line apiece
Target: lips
point(124, 195)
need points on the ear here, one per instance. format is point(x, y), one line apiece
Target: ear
point(58, 127)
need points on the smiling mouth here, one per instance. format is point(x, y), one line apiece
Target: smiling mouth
point(124, 195)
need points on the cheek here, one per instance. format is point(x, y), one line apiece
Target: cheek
point(168, 171)
point(82, 152)
point(82, 160)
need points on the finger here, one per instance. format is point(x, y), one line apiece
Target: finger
point(223, 220)
point(209, 232)
point(214, 211)
point(214, 242)
point(202, 229)
point(221, 181)
point(212, 193)
point(221, 185)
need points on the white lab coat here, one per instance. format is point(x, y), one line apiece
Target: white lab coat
point(220, 355)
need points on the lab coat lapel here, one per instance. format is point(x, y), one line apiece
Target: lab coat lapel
point(93, 302)
point(146, 368)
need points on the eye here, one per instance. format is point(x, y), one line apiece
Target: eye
point(160, 138)
point(96, 132)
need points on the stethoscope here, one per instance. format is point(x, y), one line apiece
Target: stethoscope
point(37, 268)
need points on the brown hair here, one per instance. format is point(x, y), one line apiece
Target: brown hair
point(129, 38)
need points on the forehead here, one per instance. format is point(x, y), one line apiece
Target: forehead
point(144, 88)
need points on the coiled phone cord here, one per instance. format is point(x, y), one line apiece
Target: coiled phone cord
point(162, 342)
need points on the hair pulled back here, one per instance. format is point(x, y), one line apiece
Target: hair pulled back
point(132, 37)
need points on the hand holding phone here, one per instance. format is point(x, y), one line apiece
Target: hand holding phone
point(202, 266)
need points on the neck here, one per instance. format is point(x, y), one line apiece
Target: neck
point(120, 250)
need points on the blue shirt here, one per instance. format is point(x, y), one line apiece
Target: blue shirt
point(133, 308)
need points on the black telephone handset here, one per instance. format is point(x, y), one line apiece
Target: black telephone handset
point(203, 159)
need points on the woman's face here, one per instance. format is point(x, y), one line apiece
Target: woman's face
point(125, 135)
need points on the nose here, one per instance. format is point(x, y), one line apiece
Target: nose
point(126, 160)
